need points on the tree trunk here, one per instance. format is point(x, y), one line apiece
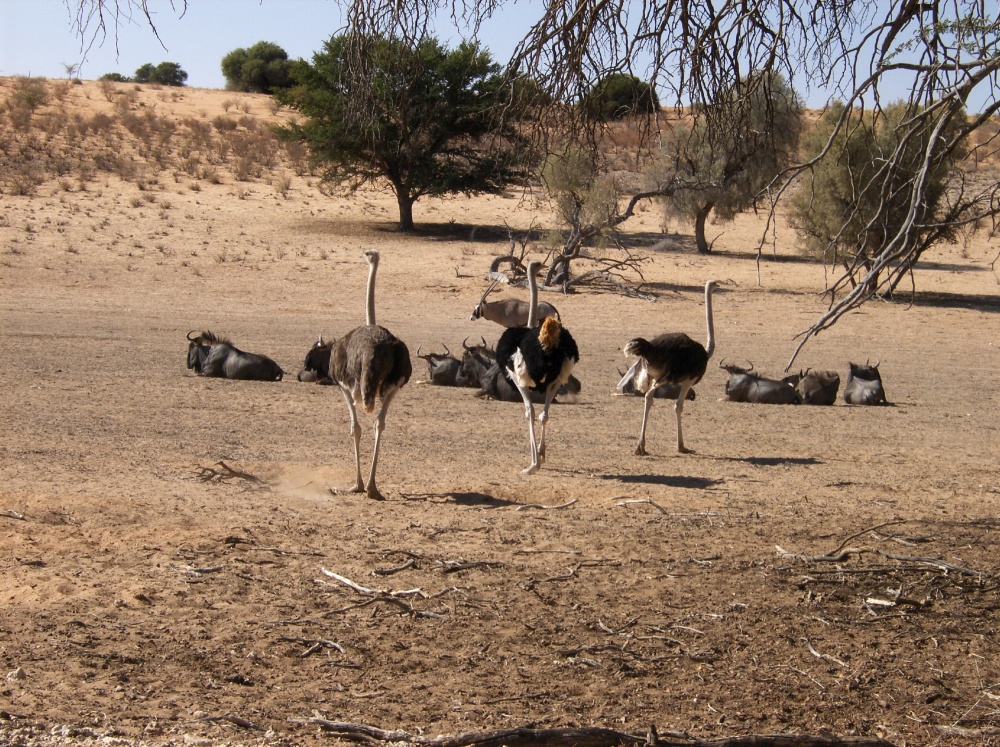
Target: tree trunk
point(699, 228)
point(405, 203)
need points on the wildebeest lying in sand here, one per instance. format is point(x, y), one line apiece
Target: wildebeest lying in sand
point(210, 355)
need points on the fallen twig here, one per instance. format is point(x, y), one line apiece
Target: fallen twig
point(543, 506)
point(827, 657)
point(234, 720)
point(12, 515)
point(578, 737)
point(226, 473)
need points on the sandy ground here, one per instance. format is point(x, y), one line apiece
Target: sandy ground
point(144, 598)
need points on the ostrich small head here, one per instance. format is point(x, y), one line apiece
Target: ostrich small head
point(548, 335)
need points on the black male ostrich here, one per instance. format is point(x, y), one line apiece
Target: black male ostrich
point(673, 358)
point(538, 359)
point(366, 363)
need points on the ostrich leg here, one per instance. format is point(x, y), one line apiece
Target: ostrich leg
point(647, 402)
point(373, 491)
point(359, 485)
point(529, 413)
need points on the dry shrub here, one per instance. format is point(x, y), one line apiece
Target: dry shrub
point(224, 124)
point(122, 105)
point(29, 92)
point(108, 89)
point(22, 179)
point(282, 184)
point(20, 116)
point(245, 168)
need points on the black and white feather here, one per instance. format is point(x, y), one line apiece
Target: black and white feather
point(673, 358)
point(537, 359)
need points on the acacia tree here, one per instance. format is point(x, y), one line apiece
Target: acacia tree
point(875, 203)
point(725, 171)
point(428, 120)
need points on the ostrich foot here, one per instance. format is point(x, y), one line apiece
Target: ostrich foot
point(531, 470)
point(682, 449)
point(640, 450)
point(374, 493)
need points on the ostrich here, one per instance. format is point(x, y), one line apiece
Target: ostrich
point(538, 359)
point(366, 363)
point(673, 358)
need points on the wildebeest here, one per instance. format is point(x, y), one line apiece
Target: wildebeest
point(635, 382)
point(864, 385)
point(444, 369)
point(817, 387)
point(316, 367)
point(745, 386)
point(494, 385)
point(210, 355)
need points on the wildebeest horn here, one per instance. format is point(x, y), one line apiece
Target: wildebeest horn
point(877, 361)
point(319, 342)
point(751, 365)
point(446, 351)
point(189, 337)
point(464, 345)
point(722, 363)
point(418, 351)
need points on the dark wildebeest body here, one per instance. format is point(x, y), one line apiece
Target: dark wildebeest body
point(210, 355)
point(316, 367)
point(444, 369)
point(636, 381)
point(864, 385)
point(745, 386)
point(818, 387)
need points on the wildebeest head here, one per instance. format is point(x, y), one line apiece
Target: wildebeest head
point(316, 367)
point(864, 385)
point(198, 348)
point(444, 369)
point(818, 387)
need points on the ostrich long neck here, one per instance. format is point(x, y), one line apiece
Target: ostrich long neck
point(710, 345)
point(532, 295)
point(370, 306)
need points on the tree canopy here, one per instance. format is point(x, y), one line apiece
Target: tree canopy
point(261, 68)
point(618, 96)
point(725, 171)
point(165, 73)
point(429, 120)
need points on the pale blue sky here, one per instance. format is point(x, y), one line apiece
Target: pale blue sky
point(37, 38)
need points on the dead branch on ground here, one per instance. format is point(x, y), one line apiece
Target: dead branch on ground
point(225, 472)
point(575, 737)
point(382, 595)
point(542, 505)
point(12, 515)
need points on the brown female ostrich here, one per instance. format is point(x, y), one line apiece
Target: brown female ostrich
point(366, 363)
point(538, 359)
point(673, 358)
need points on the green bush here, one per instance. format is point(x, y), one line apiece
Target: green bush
point(618, 96)
point(262, 68)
